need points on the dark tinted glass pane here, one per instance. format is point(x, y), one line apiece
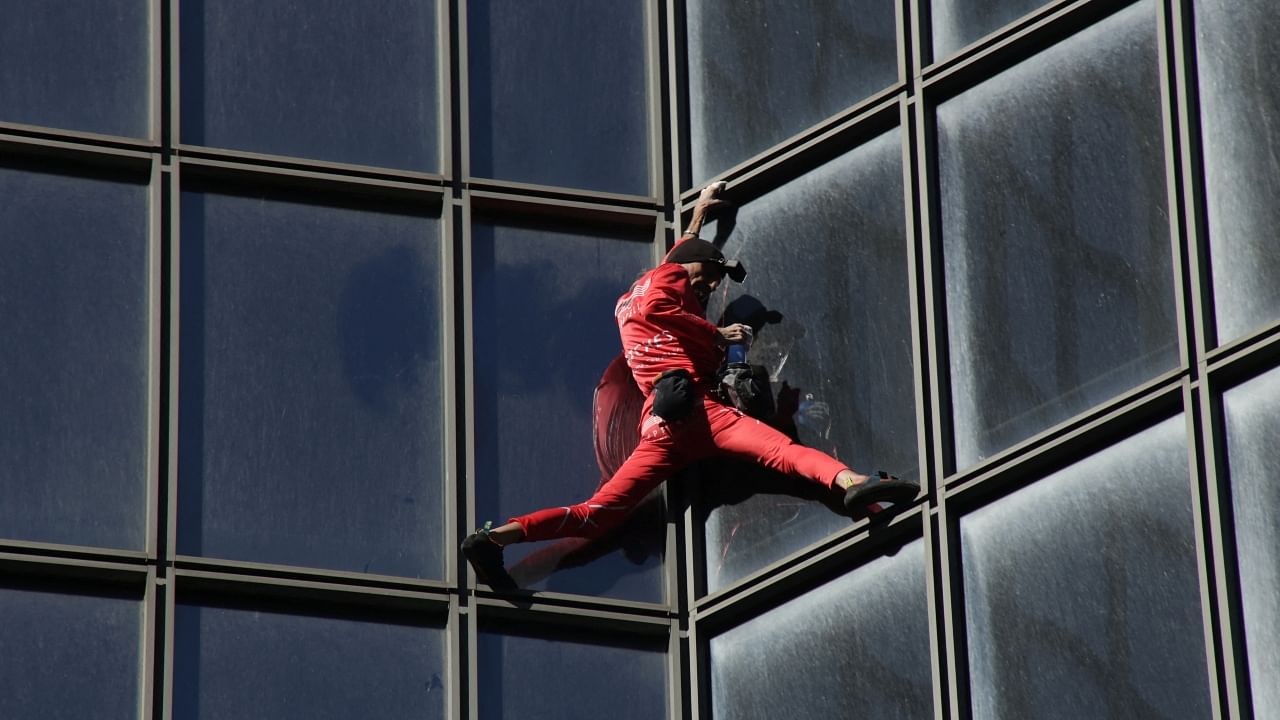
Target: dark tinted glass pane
point(73, 360)
point(857, 647)
point(558, 93)
point(311, 405)
point(544, 333)
point(1253, 424)
point(76, 64)
point(827, 271)
point(249, 664)
point(536, 678)
point(1239, 104)
point(326, 79)
point(69, 657)
point(1055, 235)
point(1081, 591)
point(956, 23)
point(761, 71)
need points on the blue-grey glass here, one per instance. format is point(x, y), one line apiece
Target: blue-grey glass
point(856, 647)
point(1253, 424)
point(557, 93)
point(956, 23)
point(1059, 285)
point(331, 80)
point(827, 270)
point(1082, 598)
point(1239, 106)
point(566, 679)
point(311, 411)
point(244, 663)
point(77, 64)
point(69, 657)
point(544, 333)
point(73, 360)
point(761, 71)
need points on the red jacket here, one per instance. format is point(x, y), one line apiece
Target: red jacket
point(662, 328)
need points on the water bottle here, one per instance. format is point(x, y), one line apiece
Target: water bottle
point(737, 352)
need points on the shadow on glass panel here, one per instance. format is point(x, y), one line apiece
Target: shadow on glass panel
point(310, 382)
point(543, 299)
point(827, 294)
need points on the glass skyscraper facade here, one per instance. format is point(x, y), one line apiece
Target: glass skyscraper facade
point(293, 295)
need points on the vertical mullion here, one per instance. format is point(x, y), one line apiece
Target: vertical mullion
point(462, 102)
point(1190, 163)
point(1171, 122)
point(447, 335)
point(446, 94)
point(951, 690)
point(930, 479)
point(1220, 590)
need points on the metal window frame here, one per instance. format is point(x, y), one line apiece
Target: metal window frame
point(689, 617)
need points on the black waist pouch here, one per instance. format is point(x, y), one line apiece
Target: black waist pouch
point(674, 395)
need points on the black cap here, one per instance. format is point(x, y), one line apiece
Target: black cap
point(698, 250)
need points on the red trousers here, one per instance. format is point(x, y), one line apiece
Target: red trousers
point(711, 430)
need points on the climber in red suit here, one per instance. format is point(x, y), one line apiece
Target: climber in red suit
point(674, 355)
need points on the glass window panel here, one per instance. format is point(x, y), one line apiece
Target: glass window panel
point(331, 80)
point(244, 663)
point(311, 413)
point(73, 363)
point(1253, 424)
point(532, 677)
point(1082, 597)
point(857, 647)
point(956, 23)
point(761, 71)
point(544, 334)
point(557, 93)
point(827, 255)
point(1239, 105)
point(69, 657)
point(76, 64)
point(1055, 235)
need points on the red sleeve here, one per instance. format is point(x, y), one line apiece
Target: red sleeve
point(668, 305)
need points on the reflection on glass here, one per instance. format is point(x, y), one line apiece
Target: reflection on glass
point(956, 23)
point(761, 71)
point(1240, 105)
point(73, 360)
point(568, 679)
point(1253, 424)
point(1081, 591)
point(558, 93)
point(326, 79)
point(68, 657)
point(238, 663)
point(76, 64)
point(1055, 235)
point(310, 408)
point(827, 275)
point(857, 647)
point(544, 333)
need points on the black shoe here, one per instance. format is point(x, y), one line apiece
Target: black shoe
point(485, 557)
point(878, 495)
